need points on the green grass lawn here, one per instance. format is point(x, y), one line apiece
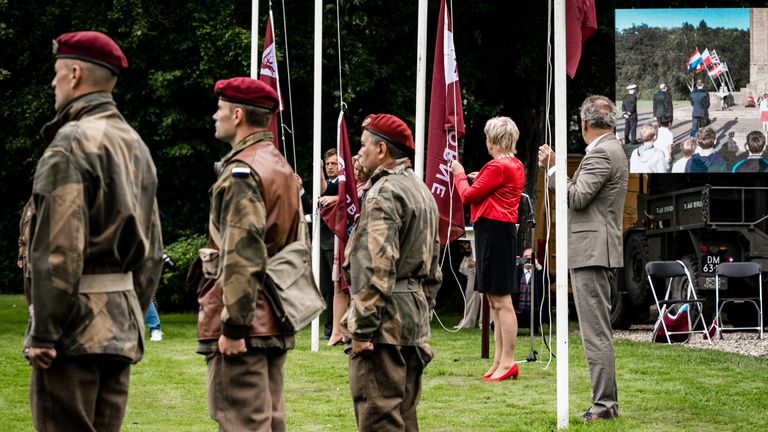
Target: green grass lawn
point(661, 388)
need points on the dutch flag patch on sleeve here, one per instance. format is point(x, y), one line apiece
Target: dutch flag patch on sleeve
point(241, 172)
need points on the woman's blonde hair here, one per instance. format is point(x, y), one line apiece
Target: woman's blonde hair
point(503, 132)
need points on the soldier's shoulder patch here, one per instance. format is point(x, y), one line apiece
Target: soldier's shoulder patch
point(241, 172)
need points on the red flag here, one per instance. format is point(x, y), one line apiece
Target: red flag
point(268, 75)
point(341, 215)
point(580, 24)
point(446, 126)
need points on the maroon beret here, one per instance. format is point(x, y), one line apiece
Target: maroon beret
point(391, 129)
point(93, 47)
point(247, 91)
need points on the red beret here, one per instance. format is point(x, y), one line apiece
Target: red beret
point(93, 47)
point(247, 91)
point(391, 129)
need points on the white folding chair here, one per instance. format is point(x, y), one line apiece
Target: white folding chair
point(743, 270)
point(671, 271)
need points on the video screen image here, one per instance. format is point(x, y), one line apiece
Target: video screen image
point(692, 86)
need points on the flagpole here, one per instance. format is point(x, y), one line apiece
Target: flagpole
point(561, 217)
point(255, 60)
point(421, 88)
point(316, 164)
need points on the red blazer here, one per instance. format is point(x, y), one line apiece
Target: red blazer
point(495, 193)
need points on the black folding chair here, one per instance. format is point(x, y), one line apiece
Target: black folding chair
point(742, 270)
point(671, 271)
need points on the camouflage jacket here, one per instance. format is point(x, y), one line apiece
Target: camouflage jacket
point(93, 212)
point(392, 260)
point(254, 214)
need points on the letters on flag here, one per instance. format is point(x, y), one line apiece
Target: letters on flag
point(269, 76)
point(446, 126)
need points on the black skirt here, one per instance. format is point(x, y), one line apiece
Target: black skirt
point(496, 256)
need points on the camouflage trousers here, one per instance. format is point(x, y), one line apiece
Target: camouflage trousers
point(80, 393)
point(386, 387)
point(245, 392)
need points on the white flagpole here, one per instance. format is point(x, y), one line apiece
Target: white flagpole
point(255, 59)
point(421, 89)
point(316, 164)
point(561, 215)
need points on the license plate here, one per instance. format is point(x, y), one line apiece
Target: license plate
point(709, 264)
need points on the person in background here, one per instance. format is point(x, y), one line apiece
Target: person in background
point(688, 147)
point(755, 162)
point(629, 112)
point(392, 260)
point(723, 94)
point(472, 299)
point(700, 107)
point(329, 194)
point(494, 198)
point(705, 159)
point(341, 294)
point(647, 158)
point(152, 319)
point(662, 104)
point(254, 214)
point(94, 254)
point(764, 112)
point(596, 196)
point(665, 138)
point(530, 274)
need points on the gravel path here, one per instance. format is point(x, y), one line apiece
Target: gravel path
point(746, 343)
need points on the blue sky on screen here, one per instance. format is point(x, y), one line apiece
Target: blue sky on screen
point(672, 18)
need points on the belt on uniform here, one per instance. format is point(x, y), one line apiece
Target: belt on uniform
point(106, 283)
point(407, 285)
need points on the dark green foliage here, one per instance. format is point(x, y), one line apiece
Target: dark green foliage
point(174, 294)
point(648, 56)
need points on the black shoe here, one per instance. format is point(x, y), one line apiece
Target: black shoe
point(589, 416)
point(326, 336)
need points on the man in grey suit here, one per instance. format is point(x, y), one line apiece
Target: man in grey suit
point(595, 213)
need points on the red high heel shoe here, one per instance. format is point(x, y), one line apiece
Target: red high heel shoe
point(512, 372)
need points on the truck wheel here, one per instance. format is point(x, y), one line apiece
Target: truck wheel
point(635, 283)
point(680, 287)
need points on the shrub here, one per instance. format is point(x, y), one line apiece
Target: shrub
point(174, 294)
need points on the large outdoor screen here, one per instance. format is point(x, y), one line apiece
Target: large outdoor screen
point(692, 85)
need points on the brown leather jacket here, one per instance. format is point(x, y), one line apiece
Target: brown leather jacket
point(271, 215)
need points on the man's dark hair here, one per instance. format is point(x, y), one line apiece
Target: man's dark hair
point(256, 117)
point(395, 152)
point(665, 120)
point(328, 153)
point(755, 142)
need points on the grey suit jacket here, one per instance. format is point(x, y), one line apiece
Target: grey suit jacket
point(596, 206)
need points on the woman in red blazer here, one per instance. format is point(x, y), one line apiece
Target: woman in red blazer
point(493, 198)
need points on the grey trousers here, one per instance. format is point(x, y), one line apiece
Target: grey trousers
point(386, 387)
point(245, 392)
point(80, 393)
point(592, 295)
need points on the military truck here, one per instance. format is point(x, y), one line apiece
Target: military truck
point(700, 219)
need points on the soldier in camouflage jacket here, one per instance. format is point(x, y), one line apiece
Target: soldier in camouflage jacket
point(254, 214)
point(392, 260)
point(93, 246)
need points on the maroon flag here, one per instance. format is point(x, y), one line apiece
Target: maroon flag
point(580, 24)
point(268, 75)
point(341, 215)
point(446, 126)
